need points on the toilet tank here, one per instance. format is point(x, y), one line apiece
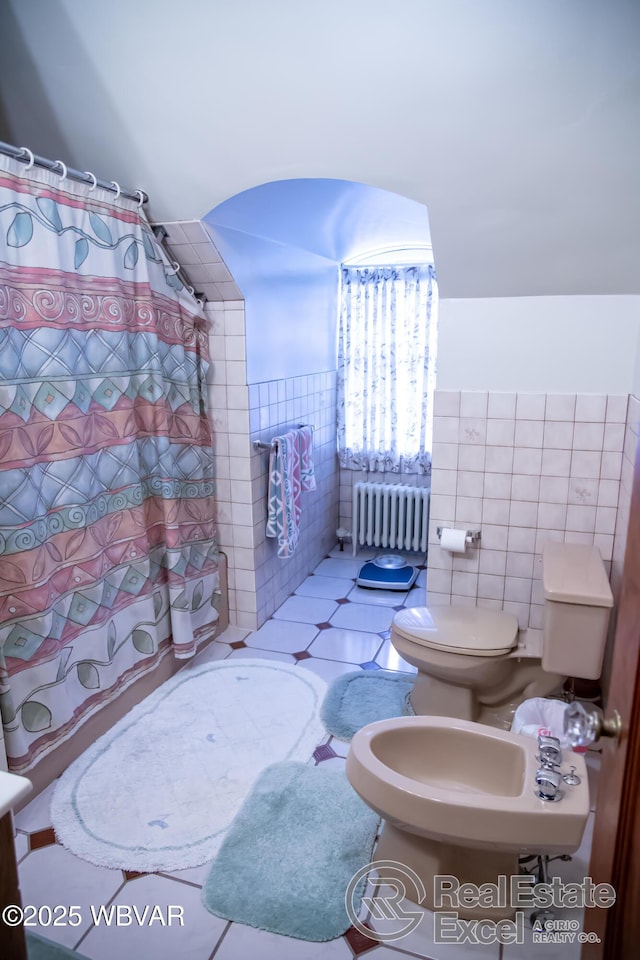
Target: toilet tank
point(578, 602)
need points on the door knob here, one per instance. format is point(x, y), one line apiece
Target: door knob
point(583, 727)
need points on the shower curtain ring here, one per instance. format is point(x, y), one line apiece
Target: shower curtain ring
point(116, 187)
point(88, 173)
point(176, 267)
point(142, 196)
point(29, 153)
point(63, 168)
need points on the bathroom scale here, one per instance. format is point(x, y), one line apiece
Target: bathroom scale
point(387, 573)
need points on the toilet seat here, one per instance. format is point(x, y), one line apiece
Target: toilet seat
point(473, 631)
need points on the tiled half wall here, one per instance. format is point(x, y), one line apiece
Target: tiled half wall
point(259, 581)
point(521, 468)
point(275, 407)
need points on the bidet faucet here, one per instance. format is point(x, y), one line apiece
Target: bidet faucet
point(548, 783)
point(550, 753)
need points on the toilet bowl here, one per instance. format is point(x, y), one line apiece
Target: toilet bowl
point(459, 799)
point(474, 664)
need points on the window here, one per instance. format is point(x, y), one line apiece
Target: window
point(386, 367)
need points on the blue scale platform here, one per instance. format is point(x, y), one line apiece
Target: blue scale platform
point(377, 574)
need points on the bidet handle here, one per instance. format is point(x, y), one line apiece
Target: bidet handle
point(548, 784)
point(550, 753)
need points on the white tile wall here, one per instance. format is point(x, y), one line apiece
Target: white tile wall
point(523, 467)
point(526, 468)
point(275, 407)
point(608, 489)
point(190, 245)
point(259, 581)
point(349, 477)
point(229, 413)
point(612, 494)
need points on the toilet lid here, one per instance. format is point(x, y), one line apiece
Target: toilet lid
point(471, 630)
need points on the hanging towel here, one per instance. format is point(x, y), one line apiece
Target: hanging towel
point(307, 475)
point(284, 508)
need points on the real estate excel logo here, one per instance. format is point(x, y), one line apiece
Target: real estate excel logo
point(392, 883)
point(388, 885)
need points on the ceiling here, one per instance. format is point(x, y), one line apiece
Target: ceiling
point(517, 124)
point(333, 219)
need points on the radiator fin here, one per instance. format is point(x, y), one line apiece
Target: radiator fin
point(390, 515)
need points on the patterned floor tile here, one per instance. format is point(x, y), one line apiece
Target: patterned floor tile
point(193, 932)
point(245, 943)
point(389, 659)
point(231, 634)
point(363, 553)
point(359, 942)
point(283, 636)
point(339, 747)
point(215, 651)
point(323, 753)
point(329, 670)
point(42, 838)
point(254, 653)
point(339, 567)
point(305, 609)
point(52, 876)
point(36, 814)
point(21, 843)
point(419, 942)
point(356, 625)
point(349, 646)
point(330, 588)
point(387, 598)
point(358, 616)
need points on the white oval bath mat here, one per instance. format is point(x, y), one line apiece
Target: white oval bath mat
point(159, 790)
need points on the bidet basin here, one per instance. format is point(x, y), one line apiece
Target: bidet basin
point(453, 759)
point(460, 782)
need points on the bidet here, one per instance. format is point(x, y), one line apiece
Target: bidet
point(463, 799)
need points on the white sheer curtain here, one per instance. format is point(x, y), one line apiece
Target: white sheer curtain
point(386, 368)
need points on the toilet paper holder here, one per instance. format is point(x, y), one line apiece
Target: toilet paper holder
point(472, 536)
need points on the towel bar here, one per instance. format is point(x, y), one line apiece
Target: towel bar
point(267, 445)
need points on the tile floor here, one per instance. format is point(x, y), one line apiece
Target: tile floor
point(330, 626)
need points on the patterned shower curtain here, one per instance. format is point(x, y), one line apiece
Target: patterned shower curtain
point(108, 557)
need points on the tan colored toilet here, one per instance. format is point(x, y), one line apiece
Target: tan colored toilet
point(471, 663)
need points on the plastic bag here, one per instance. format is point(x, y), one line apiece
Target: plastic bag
point(541, 716)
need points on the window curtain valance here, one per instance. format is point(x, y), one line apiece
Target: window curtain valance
point(386, 368)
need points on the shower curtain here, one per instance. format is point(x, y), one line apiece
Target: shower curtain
point(108, 558)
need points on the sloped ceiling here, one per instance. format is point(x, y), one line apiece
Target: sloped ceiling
point(515, 122)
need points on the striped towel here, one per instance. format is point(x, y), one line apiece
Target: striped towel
point(284, 508)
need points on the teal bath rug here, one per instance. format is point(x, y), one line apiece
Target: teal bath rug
point(159, 790)
point(359, 698)
point(289, 855)
point(39, 948)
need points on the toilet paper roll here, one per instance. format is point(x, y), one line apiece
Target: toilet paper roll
point(453, 540)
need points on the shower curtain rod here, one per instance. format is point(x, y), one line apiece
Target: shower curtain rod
point(57, 166)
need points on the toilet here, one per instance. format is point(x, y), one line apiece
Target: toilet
point(459, 800)
point(473, 664)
